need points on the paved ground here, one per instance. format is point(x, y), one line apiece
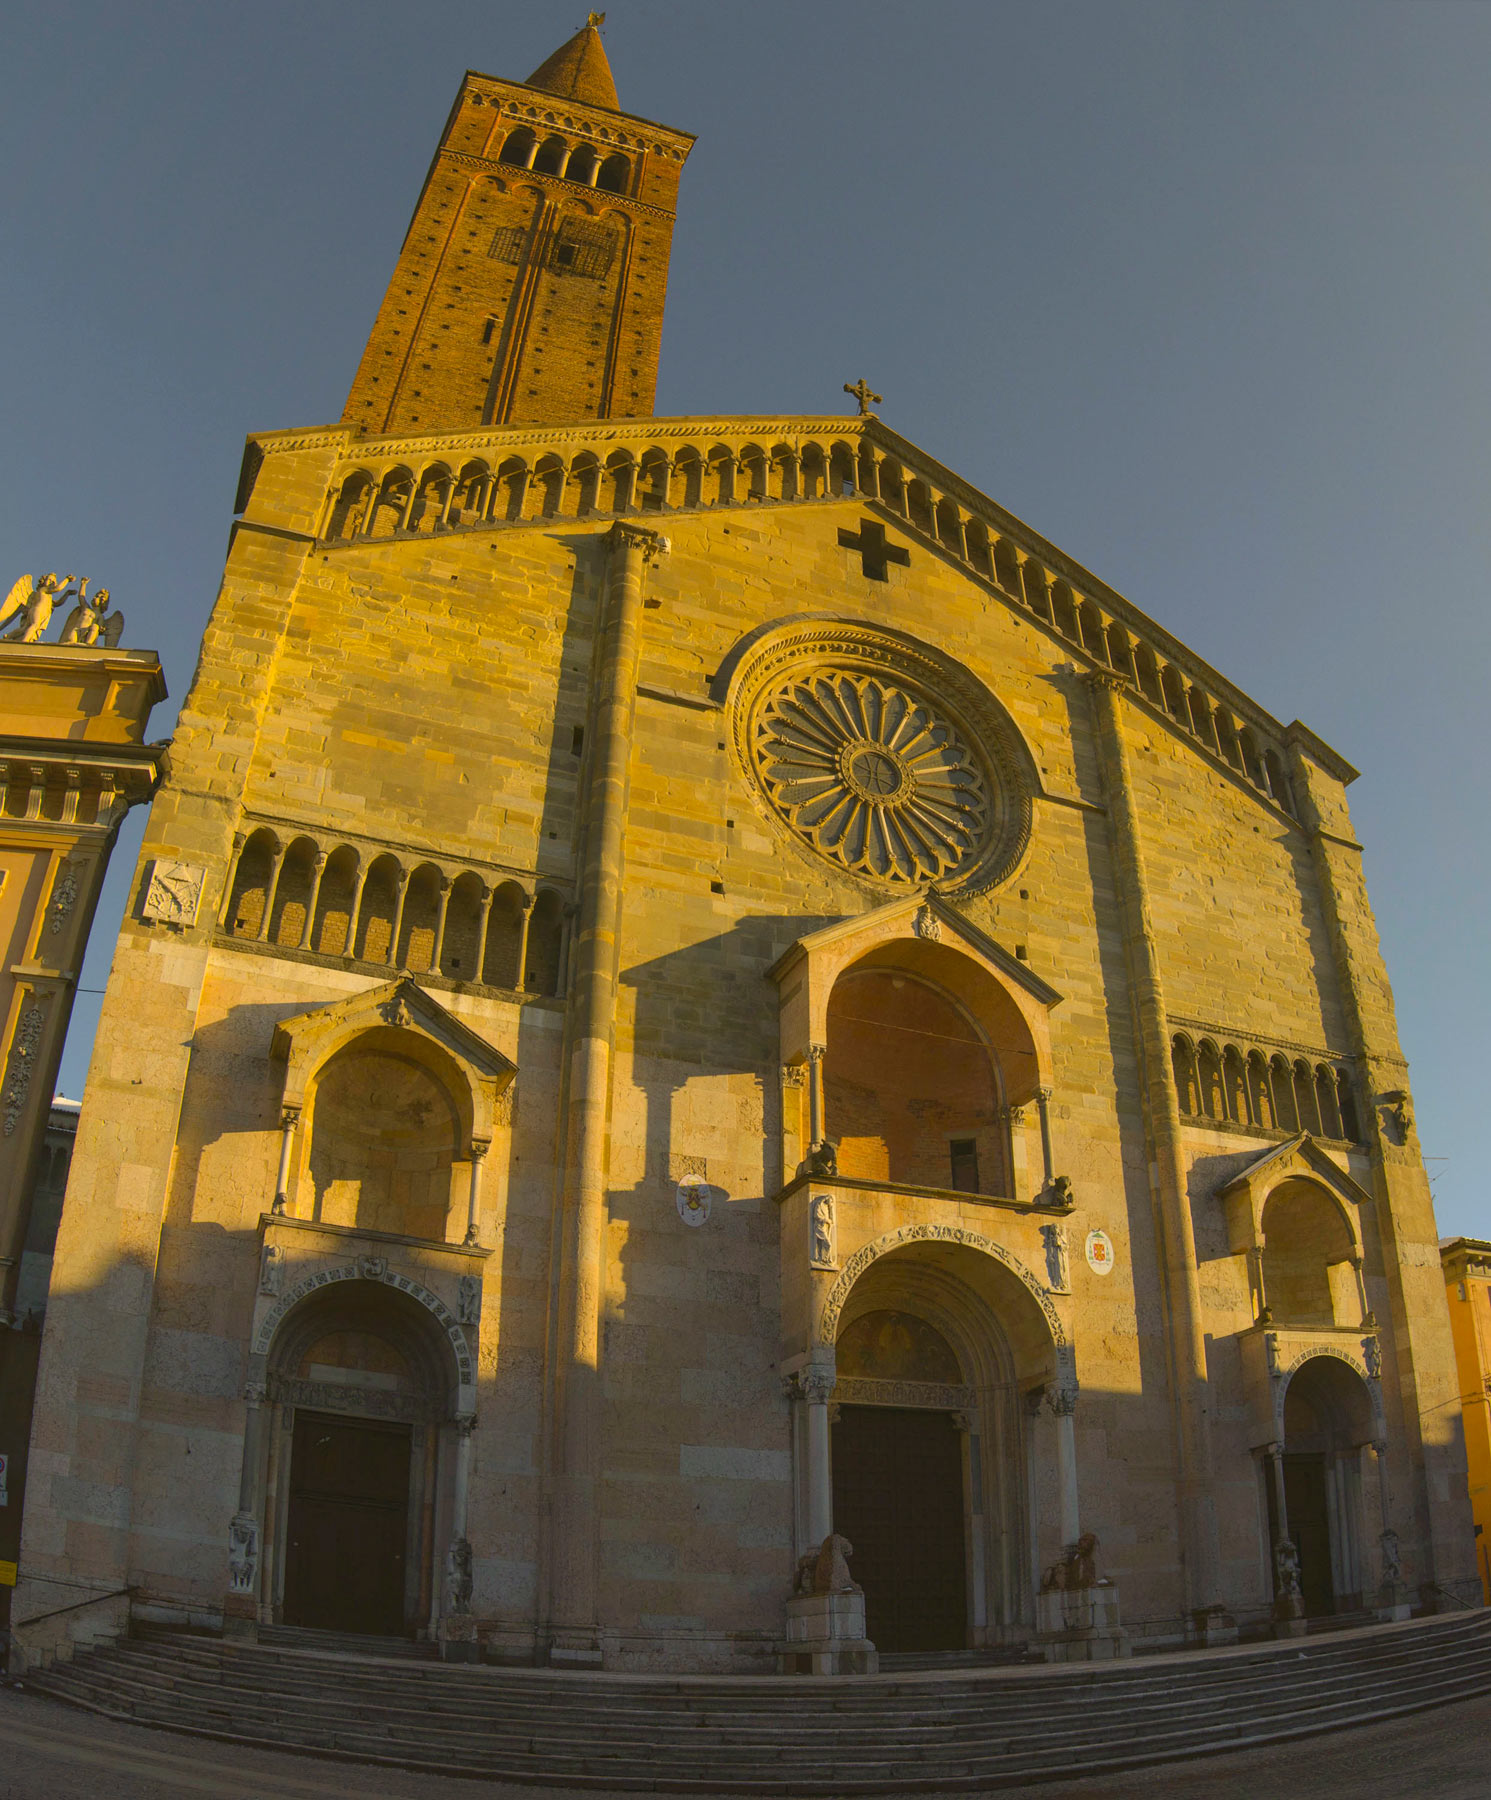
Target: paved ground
point(49, 1751)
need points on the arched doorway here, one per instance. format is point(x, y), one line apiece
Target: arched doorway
point(898, 1483)
point(1328, 1426)
point(939, 1345)
point(363, 1386)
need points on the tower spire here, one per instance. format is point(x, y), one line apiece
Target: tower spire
point(578, 69)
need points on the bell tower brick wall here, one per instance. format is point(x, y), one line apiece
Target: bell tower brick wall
point(531, 283)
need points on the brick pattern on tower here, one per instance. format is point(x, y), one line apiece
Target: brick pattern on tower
point(531, 282)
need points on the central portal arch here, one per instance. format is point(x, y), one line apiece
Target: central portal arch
point(943, 1354)
point(363, 1387)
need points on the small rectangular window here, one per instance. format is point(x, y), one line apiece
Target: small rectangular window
point(963, 1154)
point(488, 329)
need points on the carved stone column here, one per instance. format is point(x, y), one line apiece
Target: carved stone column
point(1043, 1112)
point(1201, 1556)
point(308, 924)
point(817, 1111)
point(479, 1149)
point(241, 1603)
point(590, 1038)
point(401, 888)
point(1063, 1403)
point(437, 949)
point(289, 1119)
point(458, 1641)
point(817, 1389)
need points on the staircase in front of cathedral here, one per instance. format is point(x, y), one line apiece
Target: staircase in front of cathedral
point(765, 1734)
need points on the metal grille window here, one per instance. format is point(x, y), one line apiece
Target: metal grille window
point(583, 249)
point(508, 243)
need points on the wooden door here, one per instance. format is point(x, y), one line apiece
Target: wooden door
point(348, 1524)
point(898, 1498)
point(1309, 1526)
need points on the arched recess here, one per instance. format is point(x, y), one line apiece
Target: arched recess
point(942, 1471)
point(1296, 1215)
point(364, 1374)
point(392, 1078)
point(987, 1004)
point(1329, 1417)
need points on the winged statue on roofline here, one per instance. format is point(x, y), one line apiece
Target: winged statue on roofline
point(31, 604)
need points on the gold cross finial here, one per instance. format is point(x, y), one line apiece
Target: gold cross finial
point(861, 392)
point(595, 20)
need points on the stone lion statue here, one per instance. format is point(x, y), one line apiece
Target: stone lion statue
point(1078, 1567)
point(826, 1569)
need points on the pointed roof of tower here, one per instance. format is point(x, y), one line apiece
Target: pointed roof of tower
point(578, 70)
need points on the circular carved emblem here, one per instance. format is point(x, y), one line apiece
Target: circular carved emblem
point(874, 777)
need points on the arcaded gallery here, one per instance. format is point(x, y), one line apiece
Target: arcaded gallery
point(720, 1059)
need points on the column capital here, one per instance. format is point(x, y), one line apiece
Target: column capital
point(817, 1052)
point(465, 1424)
point(817, 1386)
point(1107, 680)
point(1062, 1401)
point(290, 1112)
point(479, 1147)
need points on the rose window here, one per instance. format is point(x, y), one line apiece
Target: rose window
point(874, 777)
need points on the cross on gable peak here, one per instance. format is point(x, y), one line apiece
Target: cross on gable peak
point(862, 392)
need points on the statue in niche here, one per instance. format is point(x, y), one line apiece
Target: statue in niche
point(86, 624)
point(1078, 1567)
point(468, 1302)
point(1058, 1262)
point(823, 1231)
point(1372, 1356)
point(1392, 1562)
point(1395, 1107)
point(35, 603)
point(826, 1569)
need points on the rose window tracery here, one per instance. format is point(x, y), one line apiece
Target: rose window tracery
point(874, 776)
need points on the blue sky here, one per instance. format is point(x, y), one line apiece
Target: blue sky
point(1199, 291)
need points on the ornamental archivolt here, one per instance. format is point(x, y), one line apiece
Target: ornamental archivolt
point(882, 756)
point(872, 776)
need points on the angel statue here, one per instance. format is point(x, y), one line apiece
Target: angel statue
point(35, 603)
point(86, 623)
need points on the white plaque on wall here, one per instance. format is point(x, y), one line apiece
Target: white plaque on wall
point(173, 892)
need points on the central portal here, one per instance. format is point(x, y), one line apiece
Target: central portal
point(898, 1498)
point(348, 1524)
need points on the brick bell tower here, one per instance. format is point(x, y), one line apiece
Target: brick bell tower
point(531, 283)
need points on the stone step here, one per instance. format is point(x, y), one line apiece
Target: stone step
point(777, 1735)
point(330, 1715)
point(445, 1687)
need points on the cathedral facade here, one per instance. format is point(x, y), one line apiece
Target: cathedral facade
point(693, 985)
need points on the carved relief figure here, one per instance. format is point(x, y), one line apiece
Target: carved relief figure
point(1058, 1264)
point(458, 1576)
point(468, 1303)
point(823, 1231)
point(1286, 1570)
point(243, 1553)
point(271, 1270)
